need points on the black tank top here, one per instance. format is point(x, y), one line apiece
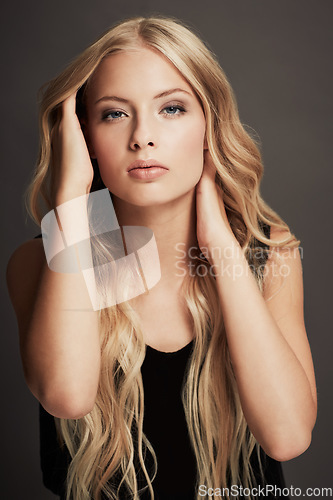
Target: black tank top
point(164, 425)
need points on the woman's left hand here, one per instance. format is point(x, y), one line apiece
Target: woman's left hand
point(212, 221)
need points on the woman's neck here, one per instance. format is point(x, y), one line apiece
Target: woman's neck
point(174, 228)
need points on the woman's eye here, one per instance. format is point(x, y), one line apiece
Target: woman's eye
point(112, 115)
point(173, 110)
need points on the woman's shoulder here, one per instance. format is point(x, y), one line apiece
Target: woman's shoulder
point(27, 253)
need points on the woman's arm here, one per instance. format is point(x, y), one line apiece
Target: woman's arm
point(270, 353)
point(59, 339)
point(267, 341)
point(58, 328)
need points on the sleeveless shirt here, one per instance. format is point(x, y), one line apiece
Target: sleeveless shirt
point(164, 425)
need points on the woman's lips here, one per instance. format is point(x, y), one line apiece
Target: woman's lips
point(150, 162)
point(147, 173)
point(146, 169)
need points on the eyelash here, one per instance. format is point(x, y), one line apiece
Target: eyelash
point(175, 106)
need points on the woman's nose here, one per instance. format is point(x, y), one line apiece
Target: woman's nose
point(142, 135)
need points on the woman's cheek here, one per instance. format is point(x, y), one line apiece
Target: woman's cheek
point(192, 137)
point(192, 143)
point(106, 155)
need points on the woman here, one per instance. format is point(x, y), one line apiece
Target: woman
point(226, 317)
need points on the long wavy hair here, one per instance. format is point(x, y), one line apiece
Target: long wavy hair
point(109, 442)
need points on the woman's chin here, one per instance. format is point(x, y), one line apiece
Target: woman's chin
point(143, 201)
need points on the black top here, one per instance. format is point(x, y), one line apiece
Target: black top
point(164, 425)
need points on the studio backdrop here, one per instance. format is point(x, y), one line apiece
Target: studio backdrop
point(277, 57)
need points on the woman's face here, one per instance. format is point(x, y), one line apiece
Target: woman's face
point(128, 120)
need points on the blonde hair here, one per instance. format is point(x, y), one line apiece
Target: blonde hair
point(102, 443)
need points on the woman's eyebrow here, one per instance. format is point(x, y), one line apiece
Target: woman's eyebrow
point(158, 96)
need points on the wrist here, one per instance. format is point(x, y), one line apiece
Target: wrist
point(66, 194)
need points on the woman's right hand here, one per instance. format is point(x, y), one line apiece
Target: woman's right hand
point(74, 171)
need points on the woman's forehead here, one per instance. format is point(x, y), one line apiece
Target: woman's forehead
point(142, 68)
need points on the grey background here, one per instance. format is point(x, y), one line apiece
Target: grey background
point(277, 57)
